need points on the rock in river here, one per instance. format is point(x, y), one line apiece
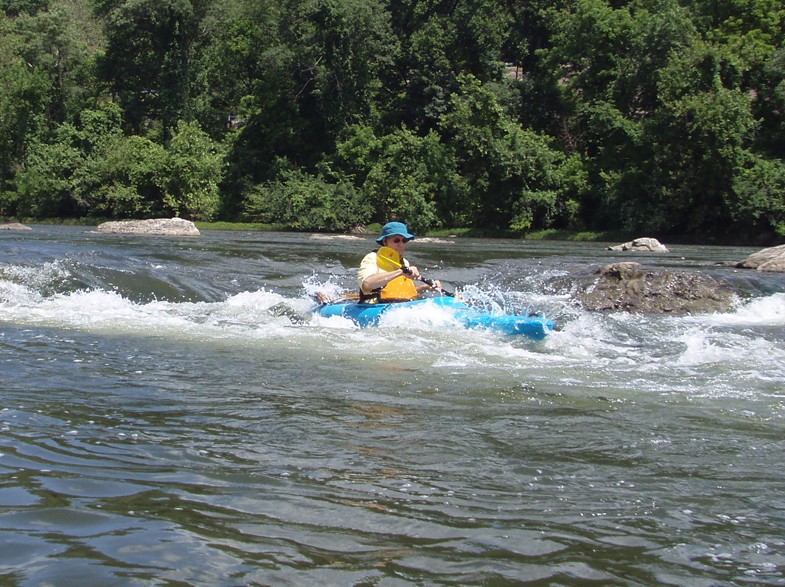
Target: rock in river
point(771, 259)
point(645, 244)
point(156, 226)
point(633, 287)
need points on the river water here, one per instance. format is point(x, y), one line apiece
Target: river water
point(171, 413)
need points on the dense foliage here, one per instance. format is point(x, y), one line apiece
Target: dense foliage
point(664, 117)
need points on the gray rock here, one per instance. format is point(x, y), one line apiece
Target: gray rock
point(644, 244)
point(13, 226)
point(631, 287)
point(771, 259)
point(153, 226)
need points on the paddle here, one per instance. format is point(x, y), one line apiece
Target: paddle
point(389, 260)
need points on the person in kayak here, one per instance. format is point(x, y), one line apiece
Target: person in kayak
point(388, 279)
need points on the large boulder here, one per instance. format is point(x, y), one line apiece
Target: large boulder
point(13, 226)
point(153, 226)
point(771, 259)
point(632, 287)
point(644, 244)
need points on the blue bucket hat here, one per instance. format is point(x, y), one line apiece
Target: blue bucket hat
point(392, 228)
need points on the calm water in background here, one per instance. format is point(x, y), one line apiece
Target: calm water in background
point(172, 413)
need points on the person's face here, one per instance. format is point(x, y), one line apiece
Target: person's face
point(397, 243)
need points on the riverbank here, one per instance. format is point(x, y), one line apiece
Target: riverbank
point(374, 228)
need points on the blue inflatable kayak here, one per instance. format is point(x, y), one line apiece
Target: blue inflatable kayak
point(369, 314)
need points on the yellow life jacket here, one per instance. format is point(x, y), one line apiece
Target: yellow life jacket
point(399, 289)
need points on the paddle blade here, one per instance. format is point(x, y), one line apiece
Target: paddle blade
point(388, 259)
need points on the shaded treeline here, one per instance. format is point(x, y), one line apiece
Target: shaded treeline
point(662, 117)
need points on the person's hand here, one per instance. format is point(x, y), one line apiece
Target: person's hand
point(411, 272)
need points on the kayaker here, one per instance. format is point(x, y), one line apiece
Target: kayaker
point(379, 284)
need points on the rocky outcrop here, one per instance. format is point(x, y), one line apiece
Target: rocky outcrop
point(153, 226)
point(771, 259)
point(13, 226)
point(645, 244)
point(632, 287)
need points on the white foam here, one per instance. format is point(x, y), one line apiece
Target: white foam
point(13, 295)
point(700, 349)
point(34, 277)
point(427, 316)
point(767, 311)
point(621, 346)
point(109, 311)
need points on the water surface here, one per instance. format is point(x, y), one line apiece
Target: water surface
point(171, 412)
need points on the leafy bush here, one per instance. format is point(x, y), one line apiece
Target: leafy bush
point(194, 168)
point(759, 202)
point(95, 170)
point(303, 201)
point(405, 176)
point(124, 178)
point(44, 184)
point(517, 180)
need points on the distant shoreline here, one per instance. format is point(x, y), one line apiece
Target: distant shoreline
point(539, 235)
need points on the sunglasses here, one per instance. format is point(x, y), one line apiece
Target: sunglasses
point(398, 240)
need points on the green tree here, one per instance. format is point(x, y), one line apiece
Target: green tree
point(45, 184)
point(661, 113)
point(124, 177)
point(59, 45)
point(17, 7)
point(592, 48)
point(771, 106)
point(662, 116)
point(750, 29)
point(757, 201)
point(751, 33)
point(45, 79)
point(52, 179)
point(339, 50)
point(320, 71)
point(695, 145)
point(403, 175)
point(194, 170)
point(20, 90)
point(148, 60)
point(516, 179)
point(132, 176)
point(240, 64)
point(439, 41)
